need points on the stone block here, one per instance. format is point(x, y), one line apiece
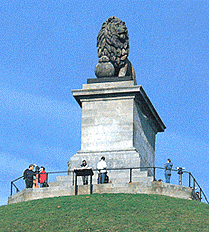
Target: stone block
point(118, 122)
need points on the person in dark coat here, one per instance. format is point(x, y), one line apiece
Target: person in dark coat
point(168, 167)
point(28, 176)
point(85, 178)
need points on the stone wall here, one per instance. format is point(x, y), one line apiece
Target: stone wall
point(66, 189)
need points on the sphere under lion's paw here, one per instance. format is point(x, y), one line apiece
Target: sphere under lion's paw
point(104, 69)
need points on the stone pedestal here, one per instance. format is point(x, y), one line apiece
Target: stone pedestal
point(118, 122)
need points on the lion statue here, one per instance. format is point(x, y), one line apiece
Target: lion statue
point(113, 50)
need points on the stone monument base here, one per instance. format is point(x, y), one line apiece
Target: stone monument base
point(118, 122)
point(119, 162)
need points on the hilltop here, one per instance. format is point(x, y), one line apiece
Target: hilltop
point(106, 212)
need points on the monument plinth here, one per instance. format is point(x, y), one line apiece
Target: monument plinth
point(118, 122)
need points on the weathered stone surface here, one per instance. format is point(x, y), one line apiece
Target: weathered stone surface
point(118, 122)
point(104, 69)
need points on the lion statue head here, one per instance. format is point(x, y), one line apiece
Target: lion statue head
point(113, 50)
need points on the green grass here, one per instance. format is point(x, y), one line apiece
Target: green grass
point(106, 212)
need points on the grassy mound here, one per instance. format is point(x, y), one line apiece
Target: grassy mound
point(106, 212)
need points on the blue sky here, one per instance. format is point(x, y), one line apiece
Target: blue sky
point(48, 48)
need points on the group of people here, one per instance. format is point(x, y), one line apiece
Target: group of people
point(40, 174)
point(102, 169)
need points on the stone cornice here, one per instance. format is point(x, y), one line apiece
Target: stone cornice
point(120, 89)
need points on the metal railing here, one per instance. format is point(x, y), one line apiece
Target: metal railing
point(192, 182)
point(21, 177)
point(196, 195)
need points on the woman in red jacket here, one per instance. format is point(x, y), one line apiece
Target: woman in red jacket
point(43, 177)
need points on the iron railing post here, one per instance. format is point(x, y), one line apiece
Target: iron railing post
point(76, 185)
point(11, 188)
point(193, 183)
point(130, 175)
point(189, 179)
point(154, 179)
point(73, 177)
point(91, 185)
point(200, 194)
point(47, 178)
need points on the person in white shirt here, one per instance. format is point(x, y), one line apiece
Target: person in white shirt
point(102, 166)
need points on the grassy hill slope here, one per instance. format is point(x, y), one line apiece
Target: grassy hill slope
point(106, 212)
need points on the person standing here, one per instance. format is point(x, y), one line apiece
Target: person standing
point(43, 177)
point(28, 176)
point(102, 166)
point(85, 178)
point(168, 167)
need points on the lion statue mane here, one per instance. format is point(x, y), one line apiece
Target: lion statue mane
point(113, 50)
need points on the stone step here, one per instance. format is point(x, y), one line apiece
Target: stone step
point(66, 182)
point(113, 175)
point(142, 179)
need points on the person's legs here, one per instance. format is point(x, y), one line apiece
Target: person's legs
point(83, 177)
point(99, 178)
point(167, 178)
point(86, 180)
point(29, 184)
point(26, 183)
point(103, 177)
